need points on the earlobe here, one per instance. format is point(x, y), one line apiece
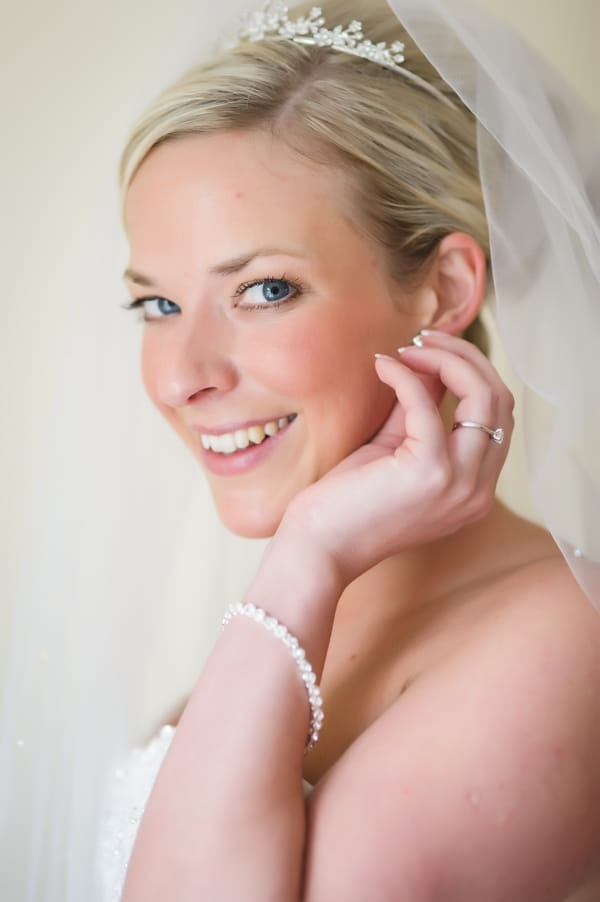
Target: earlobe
point(458, 279)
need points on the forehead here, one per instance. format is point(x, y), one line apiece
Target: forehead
point(237, 180)
point(201, 200)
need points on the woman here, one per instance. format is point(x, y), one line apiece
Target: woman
point(92, 629)
point(282, 249)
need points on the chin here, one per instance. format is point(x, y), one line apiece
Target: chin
point(252, 523)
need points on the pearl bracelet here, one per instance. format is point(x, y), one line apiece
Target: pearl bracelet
point(307, 674)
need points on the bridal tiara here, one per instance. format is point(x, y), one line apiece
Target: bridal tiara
point(273, 22)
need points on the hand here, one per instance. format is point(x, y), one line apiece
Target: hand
point(416, 480)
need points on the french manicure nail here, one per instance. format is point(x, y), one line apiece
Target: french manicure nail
point(383, 357)
point(418, 339)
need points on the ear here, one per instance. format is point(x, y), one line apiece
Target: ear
point(456, 284)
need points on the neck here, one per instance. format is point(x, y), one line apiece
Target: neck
point(400, 585)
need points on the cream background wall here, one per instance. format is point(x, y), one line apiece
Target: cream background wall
point(71, 76)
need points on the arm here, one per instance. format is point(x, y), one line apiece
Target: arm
point(482, 782)
point(226, 817)
point(231, 786)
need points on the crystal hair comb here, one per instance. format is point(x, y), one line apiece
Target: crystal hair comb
point(273, 22)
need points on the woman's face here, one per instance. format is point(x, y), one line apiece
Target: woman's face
point(265, 308)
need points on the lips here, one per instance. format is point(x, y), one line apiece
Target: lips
point(227, 443)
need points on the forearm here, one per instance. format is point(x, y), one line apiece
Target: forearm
point(231, 786)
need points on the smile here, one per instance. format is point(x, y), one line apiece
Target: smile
point(230, 442)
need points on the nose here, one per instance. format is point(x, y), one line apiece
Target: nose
point(191, 362)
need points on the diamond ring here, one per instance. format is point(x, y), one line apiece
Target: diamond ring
point(496, 435)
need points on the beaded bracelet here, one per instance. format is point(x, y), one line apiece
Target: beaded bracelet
point(307, 674)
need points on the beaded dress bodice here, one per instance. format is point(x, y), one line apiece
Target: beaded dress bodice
point(128, 793)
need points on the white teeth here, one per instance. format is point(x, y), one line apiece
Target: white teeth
point(228, 443)
point(223, 444)
point(243, 438)
point(256, 434)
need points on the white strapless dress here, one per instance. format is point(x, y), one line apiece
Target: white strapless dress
point(128, 792)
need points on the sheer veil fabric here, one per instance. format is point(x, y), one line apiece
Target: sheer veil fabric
point(121, 519)
point(538, 153)
point(125, 568)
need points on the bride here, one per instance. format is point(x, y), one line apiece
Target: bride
point(402, 704)
point(308, 245)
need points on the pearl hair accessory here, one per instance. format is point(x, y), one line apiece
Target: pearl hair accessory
point(307, 674)
point(273, 22)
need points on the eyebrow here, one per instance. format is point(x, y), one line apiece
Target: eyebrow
point(227, 268)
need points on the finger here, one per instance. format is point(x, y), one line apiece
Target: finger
point(477, 452)
point(476, 393)
point(482, 398)
point(463, 348)
point(421, 421)
point(472, 377)
point(478, 459)
point(494, 459)
point(505, 407)
point(480, 462)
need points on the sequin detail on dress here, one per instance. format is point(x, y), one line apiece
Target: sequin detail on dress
point(128, 794)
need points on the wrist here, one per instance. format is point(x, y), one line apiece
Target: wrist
point(300, 584)
point(297, 653)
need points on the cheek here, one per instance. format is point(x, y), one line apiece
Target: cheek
point(328, 373)
point(312, 353)
point(301, 360)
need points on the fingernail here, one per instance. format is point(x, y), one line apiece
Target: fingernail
point(405, 348)
point(418, 339)
point(383, 357)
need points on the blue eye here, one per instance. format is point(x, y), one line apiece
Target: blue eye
point(267, 293)
point(154, 308)
point(275, 289)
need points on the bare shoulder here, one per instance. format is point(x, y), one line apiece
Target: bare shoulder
point(483, 780)
point(541, 622)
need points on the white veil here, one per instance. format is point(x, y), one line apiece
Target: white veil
point(96, 658)
point(125, 571)
point(539, 153)
point(120, 511)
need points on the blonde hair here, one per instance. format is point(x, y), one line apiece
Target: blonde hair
point(409, 150)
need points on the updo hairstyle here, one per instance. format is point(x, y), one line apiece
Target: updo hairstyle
point(408, 150)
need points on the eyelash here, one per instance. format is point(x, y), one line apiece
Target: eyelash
point(295, 284)
point(138, 304)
